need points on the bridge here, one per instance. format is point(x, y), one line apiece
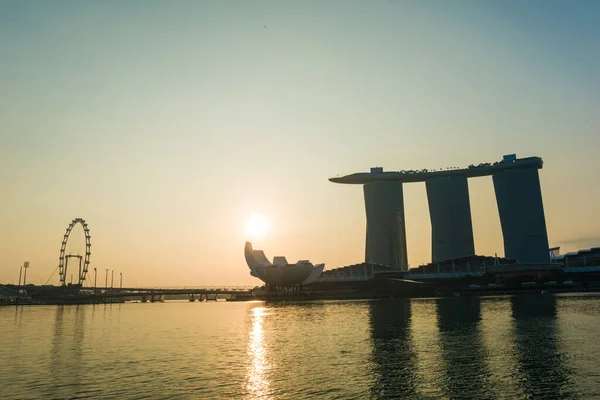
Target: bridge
point(75, 294)
point(194, 293)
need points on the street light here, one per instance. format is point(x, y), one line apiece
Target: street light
point(25, 265)
point(20, 276)
point(112, 277)
point(95, 277)
point(121, 283)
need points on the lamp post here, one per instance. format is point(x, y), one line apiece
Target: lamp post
point(121, 283)
point(106, 281)
point(20, 274)
point(25, 265)
point(95, 278)
point(112, 278)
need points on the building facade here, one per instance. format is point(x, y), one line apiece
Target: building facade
point(386, 231)
point(450, 214)
point(521, 209)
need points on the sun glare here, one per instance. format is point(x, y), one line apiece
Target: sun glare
point(257, 226)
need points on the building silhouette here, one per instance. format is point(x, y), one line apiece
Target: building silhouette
point(386, 232)
point(518, 196)
point(521, 209)
point(450, 213)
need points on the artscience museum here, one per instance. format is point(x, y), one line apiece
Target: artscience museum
point(280, 273)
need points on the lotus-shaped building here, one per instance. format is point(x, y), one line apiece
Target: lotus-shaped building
point(280, 272)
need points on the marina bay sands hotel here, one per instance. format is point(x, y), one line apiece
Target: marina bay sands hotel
point(518, 195)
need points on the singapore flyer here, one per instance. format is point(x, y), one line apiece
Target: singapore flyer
point(84, 261)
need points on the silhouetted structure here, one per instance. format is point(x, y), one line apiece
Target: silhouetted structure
point(450, 213)
point(386, 232)
point(518, 194)
point(521, 209)
point(64, 258)
point(280, 273)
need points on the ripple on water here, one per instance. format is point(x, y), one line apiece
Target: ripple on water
point(512, 347)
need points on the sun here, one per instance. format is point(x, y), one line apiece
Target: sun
point(257, 226)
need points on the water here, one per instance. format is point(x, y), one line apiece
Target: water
point(536, 346)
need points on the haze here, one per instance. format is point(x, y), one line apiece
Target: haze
point(166, 125)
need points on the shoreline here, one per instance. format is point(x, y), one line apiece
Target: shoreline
point(277, 298)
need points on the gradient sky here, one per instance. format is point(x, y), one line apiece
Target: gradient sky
point(166, 124)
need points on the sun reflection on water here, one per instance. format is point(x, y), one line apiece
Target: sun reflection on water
point(257, 382)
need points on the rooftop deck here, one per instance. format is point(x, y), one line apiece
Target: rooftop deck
point(484, 169)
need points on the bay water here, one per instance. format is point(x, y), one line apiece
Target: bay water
point(538, 346)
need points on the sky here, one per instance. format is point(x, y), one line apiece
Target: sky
point(166, 125)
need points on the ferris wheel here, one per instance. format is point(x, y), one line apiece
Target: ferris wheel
point(84, 261)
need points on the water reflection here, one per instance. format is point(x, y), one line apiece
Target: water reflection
point(542, 370)
point(393, 355)
point(79, 332)
point(257, 381)
point(18, 316)
point(534, 348)
point(67, 349)
point(57, 339)
point(463, 352)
